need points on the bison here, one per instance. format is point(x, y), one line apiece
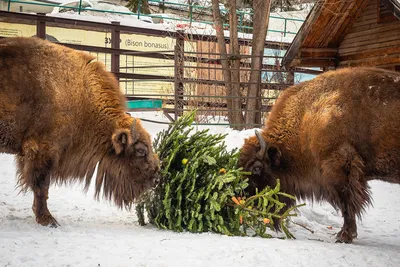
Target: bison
point(63, 115)
point(324, 139)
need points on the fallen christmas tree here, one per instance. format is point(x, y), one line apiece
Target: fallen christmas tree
point(201, 189)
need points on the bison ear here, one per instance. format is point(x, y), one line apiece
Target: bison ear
point(274, 156)
point(121, 140)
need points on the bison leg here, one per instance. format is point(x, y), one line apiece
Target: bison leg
point(34, 172)
point(41, 194)
point(349, 229)
point(345, 172)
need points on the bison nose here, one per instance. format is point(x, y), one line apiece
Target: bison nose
point(155, 180)
point(257, 170)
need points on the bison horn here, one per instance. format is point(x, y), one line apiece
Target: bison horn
point(133, 131)
point(263, 144)
point(133, 126)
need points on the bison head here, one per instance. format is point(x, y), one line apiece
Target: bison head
point(130, 168)
point(264, 161)
point(261, 159)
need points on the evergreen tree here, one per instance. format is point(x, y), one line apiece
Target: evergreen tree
point(133, 5)
point(202, 189)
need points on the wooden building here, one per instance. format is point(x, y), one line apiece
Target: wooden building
point(342, 33)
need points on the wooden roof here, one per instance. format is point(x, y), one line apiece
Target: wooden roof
point(318, 40)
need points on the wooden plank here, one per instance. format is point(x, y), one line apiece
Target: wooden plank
point(372, 53)
point(358, 49)
point(373, 61)
point(317, 30)
point(333, 15)
point(365, 22)
point(340, 30)
point(327, 38)
point(330, 11)
point(365, 17)
point(373, 29)
point(313, 62)
point(373, 26)
point(370, 8)
point(319, 50)
point(372, 39)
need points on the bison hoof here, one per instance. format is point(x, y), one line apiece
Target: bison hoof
point(47, 220)
point(344, 236)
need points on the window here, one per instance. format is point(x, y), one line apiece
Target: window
point(386, 9)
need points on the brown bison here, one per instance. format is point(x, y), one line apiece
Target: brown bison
point(326, 138)
point(62, 114)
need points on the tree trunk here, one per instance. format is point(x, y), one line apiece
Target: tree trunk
point(235, 67)
point(260, 26)
point(231, 91)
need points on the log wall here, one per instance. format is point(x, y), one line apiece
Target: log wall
point(373, 40)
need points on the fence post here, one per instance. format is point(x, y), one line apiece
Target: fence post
point(138, 9)
point(284, 30)
point(191, 11)
point(115, 44)
point(290, 77)
point(179, 73)
point(9, 5)
point(80, 6)
point(40, 26)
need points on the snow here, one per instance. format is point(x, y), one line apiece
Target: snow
point(275, 24)
point(96, 233)
point(196, 28)
point(294, 20)
point(127, 18)
point(200, 28)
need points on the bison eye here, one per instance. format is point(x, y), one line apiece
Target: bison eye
point(140, 150)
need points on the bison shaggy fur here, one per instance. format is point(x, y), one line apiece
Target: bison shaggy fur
point(63, 115)
point(326, 138)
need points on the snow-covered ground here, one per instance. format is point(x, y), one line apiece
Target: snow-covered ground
point(96, 233)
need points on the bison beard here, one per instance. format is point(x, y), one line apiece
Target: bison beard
point(325, 138)
point(63, 115)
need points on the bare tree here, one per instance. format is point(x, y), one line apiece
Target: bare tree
point(232, 61)
point(260, 26)
point(235, 66)
point(230, 64)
